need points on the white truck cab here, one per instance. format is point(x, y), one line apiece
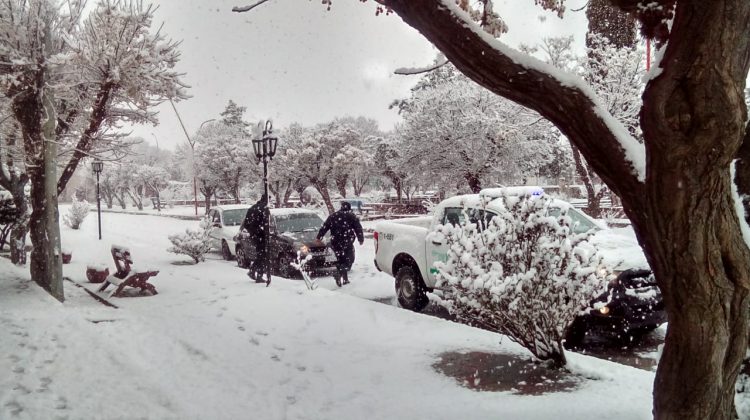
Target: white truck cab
point(407, 249)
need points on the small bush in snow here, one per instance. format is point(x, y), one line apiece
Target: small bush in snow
point(525, 274)
point(193, 243)
point(77, 212)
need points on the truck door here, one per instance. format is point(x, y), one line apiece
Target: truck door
point(437, 247)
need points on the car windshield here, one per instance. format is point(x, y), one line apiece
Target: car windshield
point(234, 217)
point(581, 223)
point(298, 222)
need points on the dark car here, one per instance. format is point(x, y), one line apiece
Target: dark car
point(293, 235)
point(631, 307)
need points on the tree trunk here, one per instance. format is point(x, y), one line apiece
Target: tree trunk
point(702, 265)
point(323, 190)
point(341, 185)
point(18, 244)
point(694, 122)
point(593, 199)
point(20, 228)
point(46, 258)
point(475, 185)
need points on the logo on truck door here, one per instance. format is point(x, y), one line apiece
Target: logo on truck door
point(388, 236)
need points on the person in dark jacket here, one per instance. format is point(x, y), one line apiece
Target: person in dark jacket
point(256, 220)
point(344, 227)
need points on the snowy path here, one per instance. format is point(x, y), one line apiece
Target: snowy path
point(213, 345)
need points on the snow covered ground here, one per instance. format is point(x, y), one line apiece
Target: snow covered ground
point(213, 345)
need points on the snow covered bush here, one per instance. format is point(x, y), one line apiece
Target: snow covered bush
point(523, 273)
point(76, 213)
point(193, 243)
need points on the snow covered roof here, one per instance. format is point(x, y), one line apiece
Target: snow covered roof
point(233, 207)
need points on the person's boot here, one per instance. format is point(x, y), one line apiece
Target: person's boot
point(345, 277)
point(337, 277)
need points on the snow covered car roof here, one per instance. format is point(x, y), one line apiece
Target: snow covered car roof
point(232, 207)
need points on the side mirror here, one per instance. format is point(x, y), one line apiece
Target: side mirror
point(217, 224)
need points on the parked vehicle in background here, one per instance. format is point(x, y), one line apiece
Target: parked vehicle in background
point(226, 220)
point(292, 232)
point(359, 205)
point(405, 250)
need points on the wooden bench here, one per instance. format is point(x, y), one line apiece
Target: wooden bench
point(126, 274)
point(158, 204)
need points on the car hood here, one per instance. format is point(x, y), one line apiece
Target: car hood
point(306, 238)
point(619, 249)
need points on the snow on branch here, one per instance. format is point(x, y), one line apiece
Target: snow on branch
point(406, 71)
point(242, 9)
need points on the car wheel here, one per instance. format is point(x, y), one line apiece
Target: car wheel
point(225, 252)
point(576, 334)
point(410, 289)
point(241, 259)
point(284, 268)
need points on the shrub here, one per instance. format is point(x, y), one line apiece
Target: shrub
point(193, 243)
point(76, 213)
point(525, 274)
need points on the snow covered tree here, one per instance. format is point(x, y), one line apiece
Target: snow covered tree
point(524, 273)
point(71, 76)
point(458, 130)
point(387, 158)
point(194, 243)
point(317, 156)
point(76, 214)
point(226, 154)
point(233, 116)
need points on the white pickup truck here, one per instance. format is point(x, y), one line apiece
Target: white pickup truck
point(407, 250)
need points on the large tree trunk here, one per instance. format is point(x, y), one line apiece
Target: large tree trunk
point(694, 122)
point(36, 114)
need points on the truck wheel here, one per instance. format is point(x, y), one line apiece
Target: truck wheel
point(410, 289)
point(225, 253)
point(241, 261)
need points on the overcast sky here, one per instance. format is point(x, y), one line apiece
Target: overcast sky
point(293, 61)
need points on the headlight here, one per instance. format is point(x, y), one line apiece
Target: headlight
point(304, 250)
point(604, 310)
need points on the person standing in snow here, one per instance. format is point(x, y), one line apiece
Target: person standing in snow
point(256, 220)
point(344, 227)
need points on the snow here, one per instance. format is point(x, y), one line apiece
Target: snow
point(214, 345)
point(739, 208)
point(634, 152)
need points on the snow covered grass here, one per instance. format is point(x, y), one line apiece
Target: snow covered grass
point(214, 345)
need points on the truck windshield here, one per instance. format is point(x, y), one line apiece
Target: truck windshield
point(234, 217)
point(297, 222)
point(581, 224)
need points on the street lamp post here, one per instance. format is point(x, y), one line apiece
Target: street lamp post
point(97, 165)
point(192, 149)
point(264, 146)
